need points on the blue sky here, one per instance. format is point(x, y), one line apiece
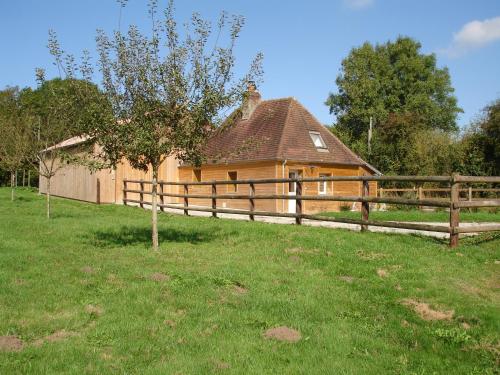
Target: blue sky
point(303, 42)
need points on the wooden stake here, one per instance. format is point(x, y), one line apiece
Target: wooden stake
point(454, 212)
point(365, 206)
point(252, 200)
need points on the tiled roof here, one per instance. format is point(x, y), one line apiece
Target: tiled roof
point(279, 130)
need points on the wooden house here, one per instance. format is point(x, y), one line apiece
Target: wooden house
point(275, 138)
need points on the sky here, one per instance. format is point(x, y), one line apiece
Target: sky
point(303, 42)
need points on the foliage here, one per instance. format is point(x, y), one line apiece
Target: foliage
point(167, 93)
point(402, 90)
point(16, 140)
point(57, 111)
point(481, 142)
point(86, 297)
point(455, 336)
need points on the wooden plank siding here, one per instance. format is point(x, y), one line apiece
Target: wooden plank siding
point(262, 170)
point(168, 171)
point(221, 172)
point(78, 182)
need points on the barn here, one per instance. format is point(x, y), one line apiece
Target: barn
point(276, 138)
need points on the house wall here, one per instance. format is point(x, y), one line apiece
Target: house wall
point(342, 188)
point(247, 171)
point(78, 182)
point(275, 170)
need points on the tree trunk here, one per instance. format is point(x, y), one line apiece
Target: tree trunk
point(48, 197)
point(154, 207)
point(12, 186)
point(29, 178)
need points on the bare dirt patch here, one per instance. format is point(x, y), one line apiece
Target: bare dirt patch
point(294, 259)
point(283, 334)
point(426, 312)
point(365, 255)
point(347, 279)
point(382, 273)
point(239, 290)
point(55, 337)
point(158, 276)
point(300, 250)
point(219, 365)
point(11, 344)
point(87, 269)
point(94, 310)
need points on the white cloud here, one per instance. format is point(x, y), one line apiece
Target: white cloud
point(474, 35)
point(358, 4)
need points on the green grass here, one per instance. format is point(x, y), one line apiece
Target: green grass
point(421, 216)
point(196, 322)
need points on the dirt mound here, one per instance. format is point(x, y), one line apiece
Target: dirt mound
point(94, 310)
point(347, 279)
point(382, 273)
point(10, 344)
point(54, 337)
point(239, 290)
point(426, 312)
point(283, 334)
point(158, 276)
point(87, 269)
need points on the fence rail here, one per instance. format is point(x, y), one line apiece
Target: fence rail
point(454, 204)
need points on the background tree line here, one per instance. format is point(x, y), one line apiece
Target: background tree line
point(414, 111)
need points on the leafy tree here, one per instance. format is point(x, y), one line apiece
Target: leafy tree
point(482, 140)
point(15, 144)
point(402, 90)
point(168, 93)
point(57, 112)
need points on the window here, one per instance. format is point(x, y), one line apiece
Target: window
point(317, 140)
point(197, 175)
point(323, 185)
point(232, 176)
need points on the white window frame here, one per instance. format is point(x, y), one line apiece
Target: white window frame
point(317, 140)
point(323, 185)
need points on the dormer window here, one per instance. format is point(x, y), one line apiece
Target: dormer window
point(317, 140)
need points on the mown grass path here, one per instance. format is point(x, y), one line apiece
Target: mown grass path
point(83, 293)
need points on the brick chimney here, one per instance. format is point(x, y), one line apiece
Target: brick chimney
point(251, 101)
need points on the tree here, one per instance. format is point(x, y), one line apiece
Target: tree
point(168, 94)
point(482, 139)
point(57, 112)
point(15, 144)
point(401, 89)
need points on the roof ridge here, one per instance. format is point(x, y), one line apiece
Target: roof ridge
point(280, 145)
point(352, 153)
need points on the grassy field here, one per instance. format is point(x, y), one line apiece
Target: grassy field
point(483, 215)
point(83, 293)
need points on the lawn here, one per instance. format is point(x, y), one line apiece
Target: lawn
point(83, 293)
point(482, 215)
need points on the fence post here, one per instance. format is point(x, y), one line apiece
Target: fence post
point(160, 184)
point(186, 202)
point(98, 191)
point(454, 212)
point(124, 192)
point(141, 194)
point(365, 206)
point(420, 196)
point(298, 203)
point(252, 201)
point(470, 193)
point(214, 200)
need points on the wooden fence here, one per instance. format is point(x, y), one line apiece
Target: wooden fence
point(454, 203)
point(420, 192)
